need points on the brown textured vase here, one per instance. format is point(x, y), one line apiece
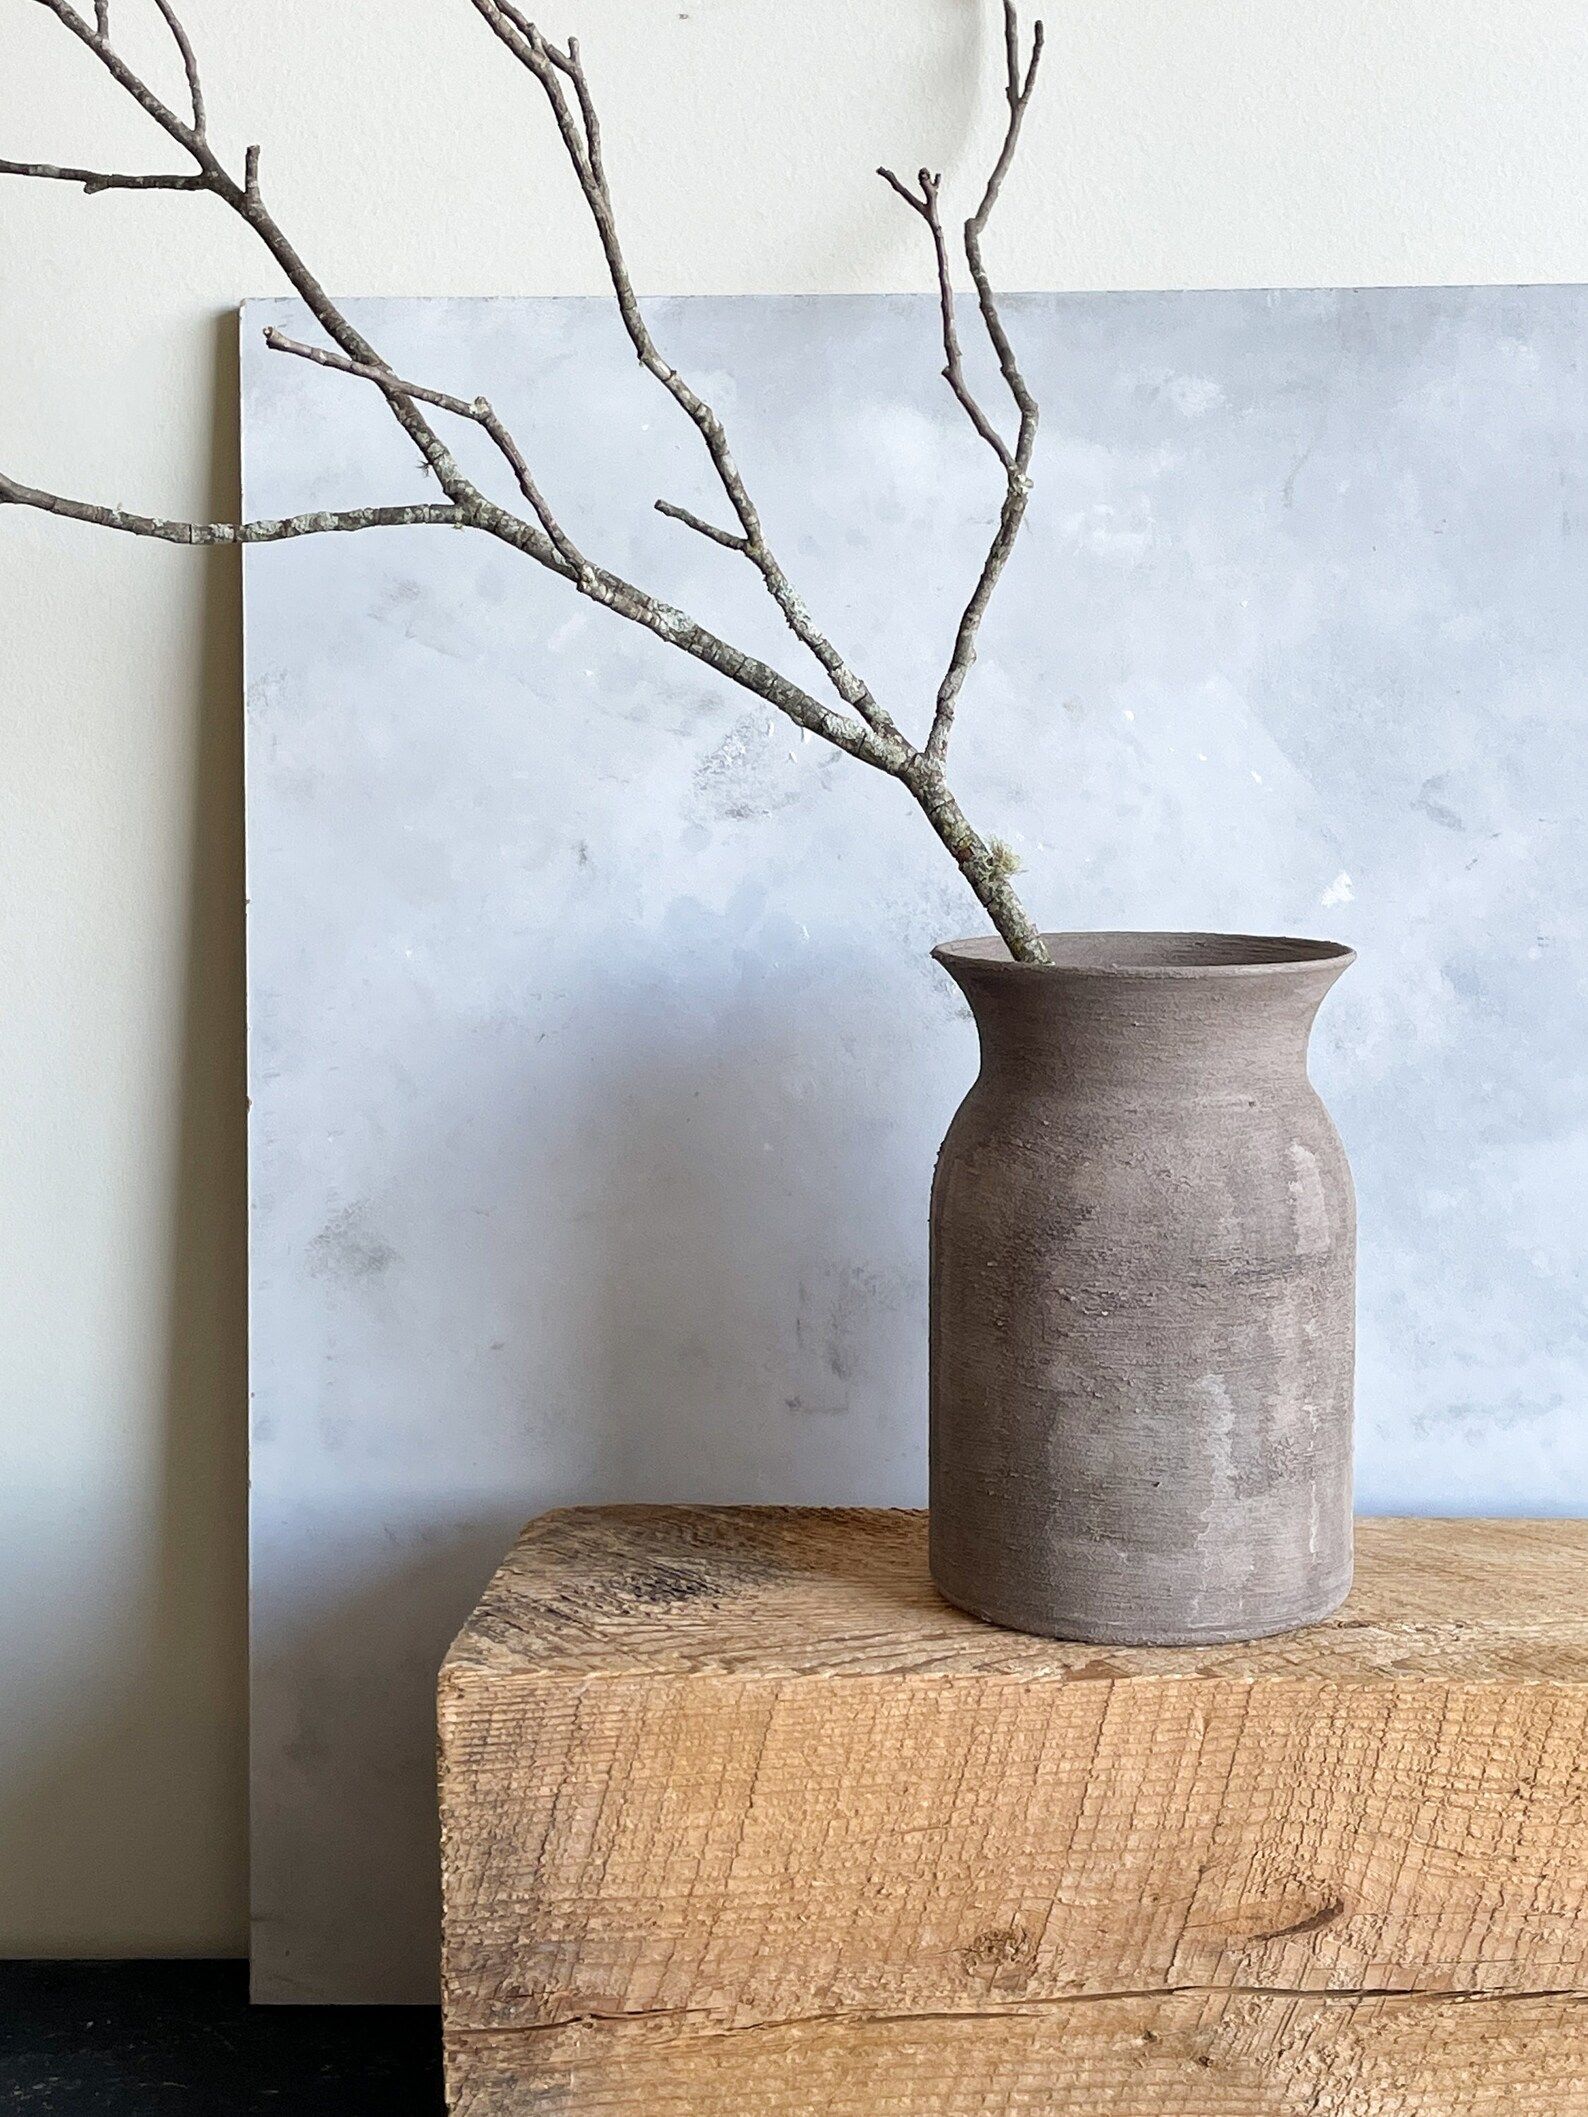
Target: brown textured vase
point(1143, 1294)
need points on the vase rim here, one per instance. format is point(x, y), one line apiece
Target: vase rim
point(1149, 953)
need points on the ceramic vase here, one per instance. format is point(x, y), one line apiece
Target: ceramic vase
point(1142, 1295)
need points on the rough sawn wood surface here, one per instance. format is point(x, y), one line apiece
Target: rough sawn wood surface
point(740, 1817)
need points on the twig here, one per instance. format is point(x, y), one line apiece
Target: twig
point(477, 409)
point(1016, 462)
point(265, 532)
point(1017, 93)
point(246, 202)
point(954, 363)
point(93, 180)
point(572, 65)
point(569, 63)
point(725, 537)
point(581, 137)
point(180, 38)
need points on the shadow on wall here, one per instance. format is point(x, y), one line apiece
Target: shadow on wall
point(718, 1152)
point(345, 1799)
point(135, 1822)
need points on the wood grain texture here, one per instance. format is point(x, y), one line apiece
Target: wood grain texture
point(738, 1816)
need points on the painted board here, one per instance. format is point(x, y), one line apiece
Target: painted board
point(598, 1064)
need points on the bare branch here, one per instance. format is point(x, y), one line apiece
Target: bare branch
point(245, 201)
point(1016, 462)
point(725, 537)
point(1017, 93)
point(581, 137)
point(180, 38)
point(954, 368)
point(266, 532)
point(93, 180)
point(587, 110)
point(553, 549)
point(1010, 516)
point(477, 409)
point(916, 205)
point(97, 39)
point(922, 774)
point(871, 737)
point(569, 63)
point(680, 630)
point(532, 538)
point(368, 371)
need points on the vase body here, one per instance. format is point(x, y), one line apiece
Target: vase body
point(1143, 1295)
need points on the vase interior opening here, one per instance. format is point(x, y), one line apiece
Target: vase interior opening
point(1156, 954)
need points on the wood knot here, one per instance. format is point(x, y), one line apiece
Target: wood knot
point(998, 1948)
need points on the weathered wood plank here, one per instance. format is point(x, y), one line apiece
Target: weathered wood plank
point(826, 1591)
point(1185, 2055)
point(739, 1817)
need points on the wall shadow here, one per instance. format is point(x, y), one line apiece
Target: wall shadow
point(199, 1616)
point(347, 1886)
point(754, 1318)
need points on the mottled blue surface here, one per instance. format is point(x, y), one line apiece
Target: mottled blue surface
point(598, 1064)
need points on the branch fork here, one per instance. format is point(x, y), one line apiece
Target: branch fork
point(860, 724)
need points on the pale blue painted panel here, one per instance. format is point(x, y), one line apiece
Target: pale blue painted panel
point(598, 1065)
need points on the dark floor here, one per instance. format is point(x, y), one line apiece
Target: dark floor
point(145, 2039)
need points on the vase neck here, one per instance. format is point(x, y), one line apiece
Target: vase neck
point(1093, 1027)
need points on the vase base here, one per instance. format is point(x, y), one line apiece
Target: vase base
point(1102, 1631)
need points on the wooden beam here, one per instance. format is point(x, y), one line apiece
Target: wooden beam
point(739, 1817)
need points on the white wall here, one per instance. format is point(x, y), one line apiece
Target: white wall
point(1234, 142)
